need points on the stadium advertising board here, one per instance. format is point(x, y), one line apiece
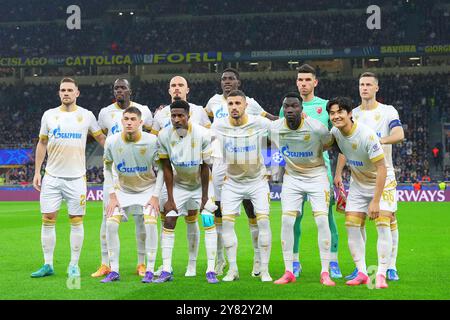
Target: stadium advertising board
point(112, 60)
point(95, 193)
point(11, 157)
point(218, 56)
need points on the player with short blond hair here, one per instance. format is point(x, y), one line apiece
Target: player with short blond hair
point(385, 121)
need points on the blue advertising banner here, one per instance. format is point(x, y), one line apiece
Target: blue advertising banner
point(9, 157)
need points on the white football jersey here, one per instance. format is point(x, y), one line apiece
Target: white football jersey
point(196, 115)
point(133, 161)
point(110, 117)
point(381, 119)
point(241, 147)
point(362, 149)
point(217, 107)
point(302, 149)
point(186, 154)
point(67, 133)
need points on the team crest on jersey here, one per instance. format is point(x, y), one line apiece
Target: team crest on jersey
point(307, 137)
point(193, 144)
point(372, 138)
point(80, 118)
point(120, 150)
point(354, 146)
point(113, 115)
point(377, 117)
point(356, 117)
point(142, 151)
point(56, 118)
point(173, 143)
point(319, 110)
point(250, 131)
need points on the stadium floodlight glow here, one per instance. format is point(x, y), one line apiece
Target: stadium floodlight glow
point(131, 13)
point(120, 13)
point(292, 62)
point(374, 59)
point(253, 63)
point(414, 58)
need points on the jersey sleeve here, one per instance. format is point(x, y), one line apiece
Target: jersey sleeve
point(265, 123)
point(326, 137)
point(206, 146)
point(163, 153)
point(255, 108)
point(155, 125)
point(107, 154)
point(208, 108)
point(148, 123)
point(101, 120)
point(373, 147)
point(204, 119)
point(43, 132)
point(394, 119)
point(94, 128)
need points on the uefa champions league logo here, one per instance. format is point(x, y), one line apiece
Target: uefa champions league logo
point(277, 157)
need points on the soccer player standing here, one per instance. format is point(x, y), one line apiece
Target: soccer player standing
point(217, 109)
point(385, 121)
point(179, 90)
point(63, 137)
point(315, 107)
point(301, 141)
point(365, 157)
point(110, 122)
point(136, 189)
point(240, 136)
point(186, 151)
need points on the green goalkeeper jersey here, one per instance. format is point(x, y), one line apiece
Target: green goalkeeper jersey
point(316, 108)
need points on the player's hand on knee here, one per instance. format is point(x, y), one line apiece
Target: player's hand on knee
point(153, 204)
point(338, 181)
point(37, 181)
point(112, 205)
point(204, 201)
point(169, 206)
point(374, 210)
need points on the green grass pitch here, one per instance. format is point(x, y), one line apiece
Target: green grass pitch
point(423, 259)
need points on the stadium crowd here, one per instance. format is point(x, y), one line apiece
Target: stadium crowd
point(145, 34)
point(414, 97)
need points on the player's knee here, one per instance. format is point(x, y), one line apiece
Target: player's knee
point(288, 219)
point(264, 236)
point(383, 222)
point(170, 223)
point(193, 218)
point(76, 220)
point(228, 233)
point(354, 221)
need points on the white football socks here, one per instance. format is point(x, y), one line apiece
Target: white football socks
point(384, 243)
point(48, 239)
point(140, 237)
point(167, 244)
point(287, 238)
point(112, 239)
point(324, 238)
point(151, 241)
point(230, 241)
point(76, 239)
point(211, 247)
point(264, 240)
point(103, 244)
